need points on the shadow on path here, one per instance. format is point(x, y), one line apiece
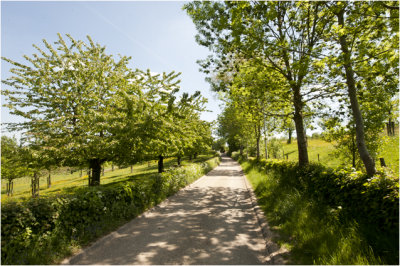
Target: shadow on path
point(210, 222)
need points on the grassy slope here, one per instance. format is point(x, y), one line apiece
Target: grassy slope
point(65, 183)
point(315, 147)
point(312, 232)
point(390, 151)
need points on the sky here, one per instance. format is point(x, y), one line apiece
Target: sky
point(158, 35)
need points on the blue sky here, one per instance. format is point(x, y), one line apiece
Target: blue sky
point(157, 35)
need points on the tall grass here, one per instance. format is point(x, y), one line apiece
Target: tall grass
point(314, 233)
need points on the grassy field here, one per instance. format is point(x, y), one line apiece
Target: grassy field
point(323, 149)
point(63, 182)
point(316, 147)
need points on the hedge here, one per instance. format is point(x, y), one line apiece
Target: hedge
point(374, 201)
point(40, 230)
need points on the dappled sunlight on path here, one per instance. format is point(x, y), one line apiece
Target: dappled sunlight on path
point(210, 222)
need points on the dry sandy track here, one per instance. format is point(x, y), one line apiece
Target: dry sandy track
point(210, 222)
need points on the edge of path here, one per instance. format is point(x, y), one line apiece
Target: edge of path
point(66, 261)
point(275, 253)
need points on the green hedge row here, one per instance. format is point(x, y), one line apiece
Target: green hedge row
point(373, 201)
point(39, 231)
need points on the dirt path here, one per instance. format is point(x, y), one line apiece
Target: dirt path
point(210, 222)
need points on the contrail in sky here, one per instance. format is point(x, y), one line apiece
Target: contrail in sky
point(134, 41)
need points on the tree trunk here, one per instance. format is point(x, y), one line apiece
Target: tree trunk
point(190, 157)
point(9, 188)
point(258, 136)
point(290, 131)
point(131, 169)
point(179, 160)
point(300, 129)
point(393, 128)
point(35, 185)
point(112, 167)
point(369, 163)
point(49, 179)
point(353, 150)
point(95, 167)
point(160, 164)
point(266, 147)
point(195, 155)
point(241, 150)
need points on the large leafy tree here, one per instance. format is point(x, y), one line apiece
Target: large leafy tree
point(263, 96)
point(67, 95)
point(285, 35)
point(367, 41)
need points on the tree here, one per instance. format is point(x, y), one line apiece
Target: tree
point(12, 166)
point(66, 97)
point(362, 34)
point(287, 35)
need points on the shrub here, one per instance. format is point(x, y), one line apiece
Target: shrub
point(372, 202)
point(40, 230)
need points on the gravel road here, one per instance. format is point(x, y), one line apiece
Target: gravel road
point(212, 221)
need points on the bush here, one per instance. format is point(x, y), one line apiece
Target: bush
point(40, 230)
point(372, 202)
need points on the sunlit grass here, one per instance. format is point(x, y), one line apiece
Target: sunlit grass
point(390, 152)
point(312, 232)
point(322, 151)
point(318, 151)
point(63, 182)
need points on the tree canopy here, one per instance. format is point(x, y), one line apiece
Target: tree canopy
point(88, 108)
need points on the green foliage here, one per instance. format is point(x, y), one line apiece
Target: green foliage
point(86, 108)
point(299, 57)
point(274, 148)
point(12, 166)
point(306, 201)
point(42, 230)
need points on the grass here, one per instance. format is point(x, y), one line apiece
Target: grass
point(324, 150)
point(314, 233)
point(390, 152)
point(316, 148)
point(63, 182)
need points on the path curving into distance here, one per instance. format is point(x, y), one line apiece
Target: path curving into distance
point(213, 221)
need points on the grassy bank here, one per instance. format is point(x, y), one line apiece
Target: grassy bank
point(323, 152)
point(47, 229)
point(314, 231)
point(65, 182)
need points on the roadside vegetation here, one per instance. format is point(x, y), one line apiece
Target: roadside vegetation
point(45, 230)
point(327, 217)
